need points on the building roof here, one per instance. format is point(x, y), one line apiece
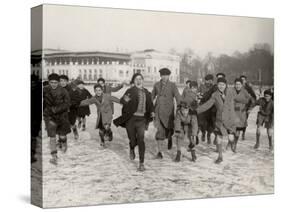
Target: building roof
point(71, 54)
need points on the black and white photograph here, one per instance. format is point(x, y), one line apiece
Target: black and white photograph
point(132, 106)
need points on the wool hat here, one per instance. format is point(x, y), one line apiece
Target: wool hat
point(53, 76)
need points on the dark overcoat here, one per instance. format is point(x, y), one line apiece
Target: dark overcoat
point(56, 103)
point(130, 107)
point(84, 110)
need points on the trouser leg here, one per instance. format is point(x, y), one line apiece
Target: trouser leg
point(257, 145)
point(140, 128)
point(219, 148)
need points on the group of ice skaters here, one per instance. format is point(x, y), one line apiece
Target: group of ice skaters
point(210, 108)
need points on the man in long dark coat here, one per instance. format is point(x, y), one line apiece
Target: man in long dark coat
point(164, 92)
point(250, 90)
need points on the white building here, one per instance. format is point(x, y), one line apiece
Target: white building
point(88, 66)
point(150, 61)
point(114, 67)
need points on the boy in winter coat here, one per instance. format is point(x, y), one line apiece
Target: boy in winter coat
point(83, 111)
point(104, 103)
point(75, 100)
point(223, 100)
point(185, 125)
point(56, 103)
point(265, 117)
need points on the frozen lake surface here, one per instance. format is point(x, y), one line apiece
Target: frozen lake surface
point(88, 174)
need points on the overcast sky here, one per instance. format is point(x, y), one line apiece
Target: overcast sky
point(86, 28)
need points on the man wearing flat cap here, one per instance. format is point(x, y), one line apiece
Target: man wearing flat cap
point(165, 92)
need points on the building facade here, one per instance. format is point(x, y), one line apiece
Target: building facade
point(114, 67)
point(150, 61)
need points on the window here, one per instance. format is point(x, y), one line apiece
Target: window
point(149, 69)
point(90, 74)
point(59, 72)
point(53, 71)
point(66, 72)
point(121, 73)
point(127, 73)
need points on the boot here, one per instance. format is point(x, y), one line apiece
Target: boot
point(193, 155)
point(178, 156)
point(159, 155)
point(54, 159)
point(132, 154)
point(170, 143)
point(219, 159)
point(141, 167)
point(257, 145)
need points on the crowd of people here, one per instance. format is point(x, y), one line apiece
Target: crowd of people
point(211, 108)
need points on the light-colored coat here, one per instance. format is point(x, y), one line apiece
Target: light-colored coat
point(104, 108)
point(164, 104)
point(243, 102)
point(225, 116)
